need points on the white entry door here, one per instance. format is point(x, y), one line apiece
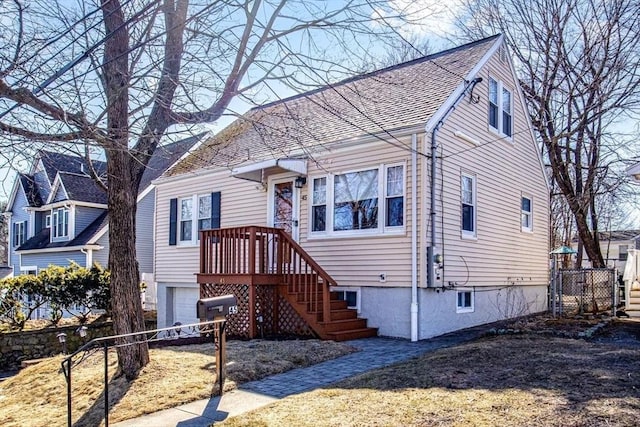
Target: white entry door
point(284, 207)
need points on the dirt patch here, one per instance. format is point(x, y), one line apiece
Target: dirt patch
point(175, 375)
point(525, 379)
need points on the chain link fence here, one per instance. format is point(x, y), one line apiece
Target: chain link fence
point(588, 290)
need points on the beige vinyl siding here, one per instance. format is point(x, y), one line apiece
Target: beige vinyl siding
point(505, 170)
point(241, 204)
point(359, 260)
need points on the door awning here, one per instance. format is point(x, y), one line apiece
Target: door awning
point(259, 171)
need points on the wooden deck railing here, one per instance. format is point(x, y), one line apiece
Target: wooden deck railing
point(264, 251)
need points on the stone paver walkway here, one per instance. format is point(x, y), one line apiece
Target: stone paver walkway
point(374, 353)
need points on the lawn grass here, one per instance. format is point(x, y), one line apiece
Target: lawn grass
point(516, 380)
point(36, 397)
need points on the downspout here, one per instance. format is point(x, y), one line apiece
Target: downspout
point(414, 237)
point(434, 167)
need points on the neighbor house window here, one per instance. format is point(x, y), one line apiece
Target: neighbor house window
point(60, 220)
point(319, 205)
point(526, 214)
point(468, 201)
point(19, 233)
point(500, 108)
point(623, 252)
point(464, 301)
point(368, 200)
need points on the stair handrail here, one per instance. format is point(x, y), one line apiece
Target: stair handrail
point(327, 280)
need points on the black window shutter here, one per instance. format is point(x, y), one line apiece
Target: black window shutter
point(173, 221)
point(215, 209)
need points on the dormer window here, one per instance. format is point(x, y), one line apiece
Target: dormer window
point(47, 221)
point(60, 223)
point(500, 108)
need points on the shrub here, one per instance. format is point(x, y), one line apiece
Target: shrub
point(74, 289)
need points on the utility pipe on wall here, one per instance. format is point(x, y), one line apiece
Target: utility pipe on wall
point(414, 237)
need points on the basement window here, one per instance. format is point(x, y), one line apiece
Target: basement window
point(352, 297)
point(464, 301)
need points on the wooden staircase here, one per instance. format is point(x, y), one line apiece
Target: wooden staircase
point(262, 256)
point(343, 324)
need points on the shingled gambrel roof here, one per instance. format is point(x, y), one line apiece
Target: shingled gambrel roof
point(397, 97)
point(82, 188)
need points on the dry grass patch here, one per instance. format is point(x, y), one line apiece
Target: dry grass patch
point(175, 375)
point(523, 380)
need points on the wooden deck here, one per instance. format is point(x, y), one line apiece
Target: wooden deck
point(278, 285)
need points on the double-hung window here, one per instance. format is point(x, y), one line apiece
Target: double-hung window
point(191, 222)
point(60, 221)
point(394, 197)
point(319, 204)
point(526, 214)
point(365, 201)
point(186, 220)
point(19, 233)
point(468, 202)
point(500, 108)
point(190, 215)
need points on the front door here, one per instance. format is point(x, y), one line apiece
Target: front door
point(284, 206)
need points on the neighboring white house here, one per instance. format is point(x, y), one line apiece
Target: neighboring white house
point(615, 246)
point(347, 170)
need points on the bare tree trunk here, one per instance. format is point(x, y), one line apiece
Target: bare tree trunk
point(124, 179)
point(127, 311)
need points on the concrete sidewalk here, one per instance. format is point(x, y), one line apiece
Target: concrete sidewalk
point(374, 353)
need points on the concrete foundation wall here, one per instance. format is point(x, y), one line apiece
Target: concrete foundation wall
point(437, 311)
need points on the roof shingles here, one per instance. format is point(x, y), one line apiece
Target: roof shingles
point(393, 98)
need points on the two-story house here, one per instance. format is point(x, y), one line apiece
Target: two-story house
point(410, 199)
point(57, 213)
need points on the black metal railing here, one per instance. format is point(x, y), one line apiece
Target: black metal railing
point(213, 327)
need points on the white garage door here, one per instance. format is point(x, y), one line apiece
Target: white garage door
point(184, 305)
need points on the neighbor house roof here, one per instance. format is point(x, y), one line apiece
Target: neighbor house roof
point(57, 162)
point(42, 239)
point(165, 156)
point(82, 188)
point(397, 97)
point(34, 198)
point(618, 235)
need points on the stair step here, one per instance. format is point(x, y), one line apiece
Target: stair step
point(339, 314)
point(634, 300)
point(347, 313)
point(353, 334)
point(632, 312)
point(346, 324)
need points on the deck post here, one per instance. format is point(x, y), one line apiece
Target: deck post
point(252, 311)
point(252, 250)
